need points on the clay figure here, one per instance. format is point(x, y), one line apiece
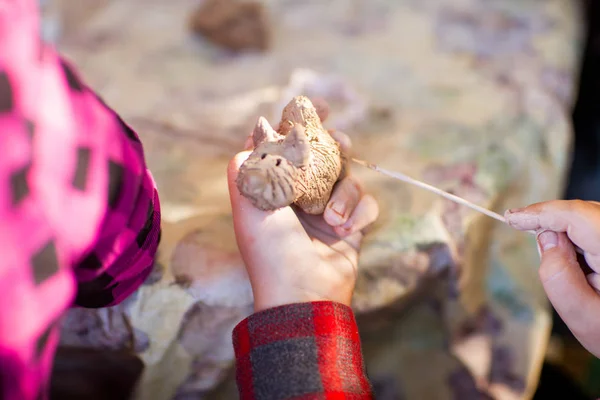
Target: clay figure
point(297, 164)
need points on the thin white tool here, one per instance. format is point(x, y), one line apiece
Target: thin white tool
point(423, 185)
point(459, 200)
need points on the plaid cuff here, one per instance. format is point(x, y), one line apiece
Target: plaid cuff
point(300, 351)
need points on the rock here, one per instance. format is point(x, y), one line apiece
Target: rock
point(107, 328)
point(212, 272)
point(234, 25)
point(205, 334)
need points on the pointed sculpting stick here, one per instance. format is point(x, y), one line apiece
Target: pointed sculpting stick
point(459, 200)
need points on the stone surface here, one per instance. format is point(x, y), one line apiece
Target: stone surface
point(471, 95)
point(236, 25)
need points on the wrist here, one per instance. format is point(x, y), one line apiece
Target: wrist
point(267, 299)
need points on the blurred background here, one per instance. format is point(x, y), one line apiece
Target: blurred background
point(495, 100)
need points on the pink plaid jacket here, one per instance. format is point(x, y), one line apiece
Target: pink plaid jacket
point(79, 211)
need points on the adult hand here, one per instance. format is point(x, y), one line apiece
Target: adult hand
point(293, 257)
point(575, 296)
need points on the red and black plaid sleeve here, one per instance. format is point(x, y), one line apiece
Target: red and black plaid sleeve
point(300, 351)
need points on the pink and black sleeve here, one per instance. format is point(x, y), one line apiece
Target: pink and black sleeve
point(79, 210)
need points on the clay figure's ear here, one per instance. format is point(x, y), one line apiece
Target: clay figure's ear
point(296, 148)
point(263, 132)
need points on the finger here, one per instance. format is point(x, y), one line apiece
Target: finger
point(235, 163)
point(365, 213)
point(344, 199)
point(594, 281)
point(566, 285)
point(579, 219)
point(343, 140)
point(592, 260)
point(322, 108)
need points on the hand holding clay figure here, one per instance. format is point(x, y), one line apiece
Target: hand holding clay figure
point(574, 292)
point(294, 257)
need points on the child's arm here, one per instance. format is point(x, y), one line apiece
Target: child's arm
point(78, 208)
point(302, 343)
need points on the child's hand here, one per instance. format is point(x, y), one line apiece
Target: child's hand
point(575, 297)
point(293, 257)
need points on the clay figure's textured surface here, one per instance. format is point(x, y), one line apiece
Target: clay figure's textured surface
point(300, 163)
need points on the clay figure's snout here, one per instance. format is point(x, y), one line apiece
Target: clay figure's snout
point(254, 182)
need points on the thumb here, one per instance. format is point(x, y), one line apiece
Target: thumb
point(565, 283)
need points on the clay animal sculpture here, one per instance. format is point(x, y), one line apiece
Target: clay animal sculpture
point(298, 164)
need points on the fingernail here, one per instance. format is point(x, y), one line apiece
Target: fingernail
point(515, 210)
point(547, 240)
point(339, 208)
